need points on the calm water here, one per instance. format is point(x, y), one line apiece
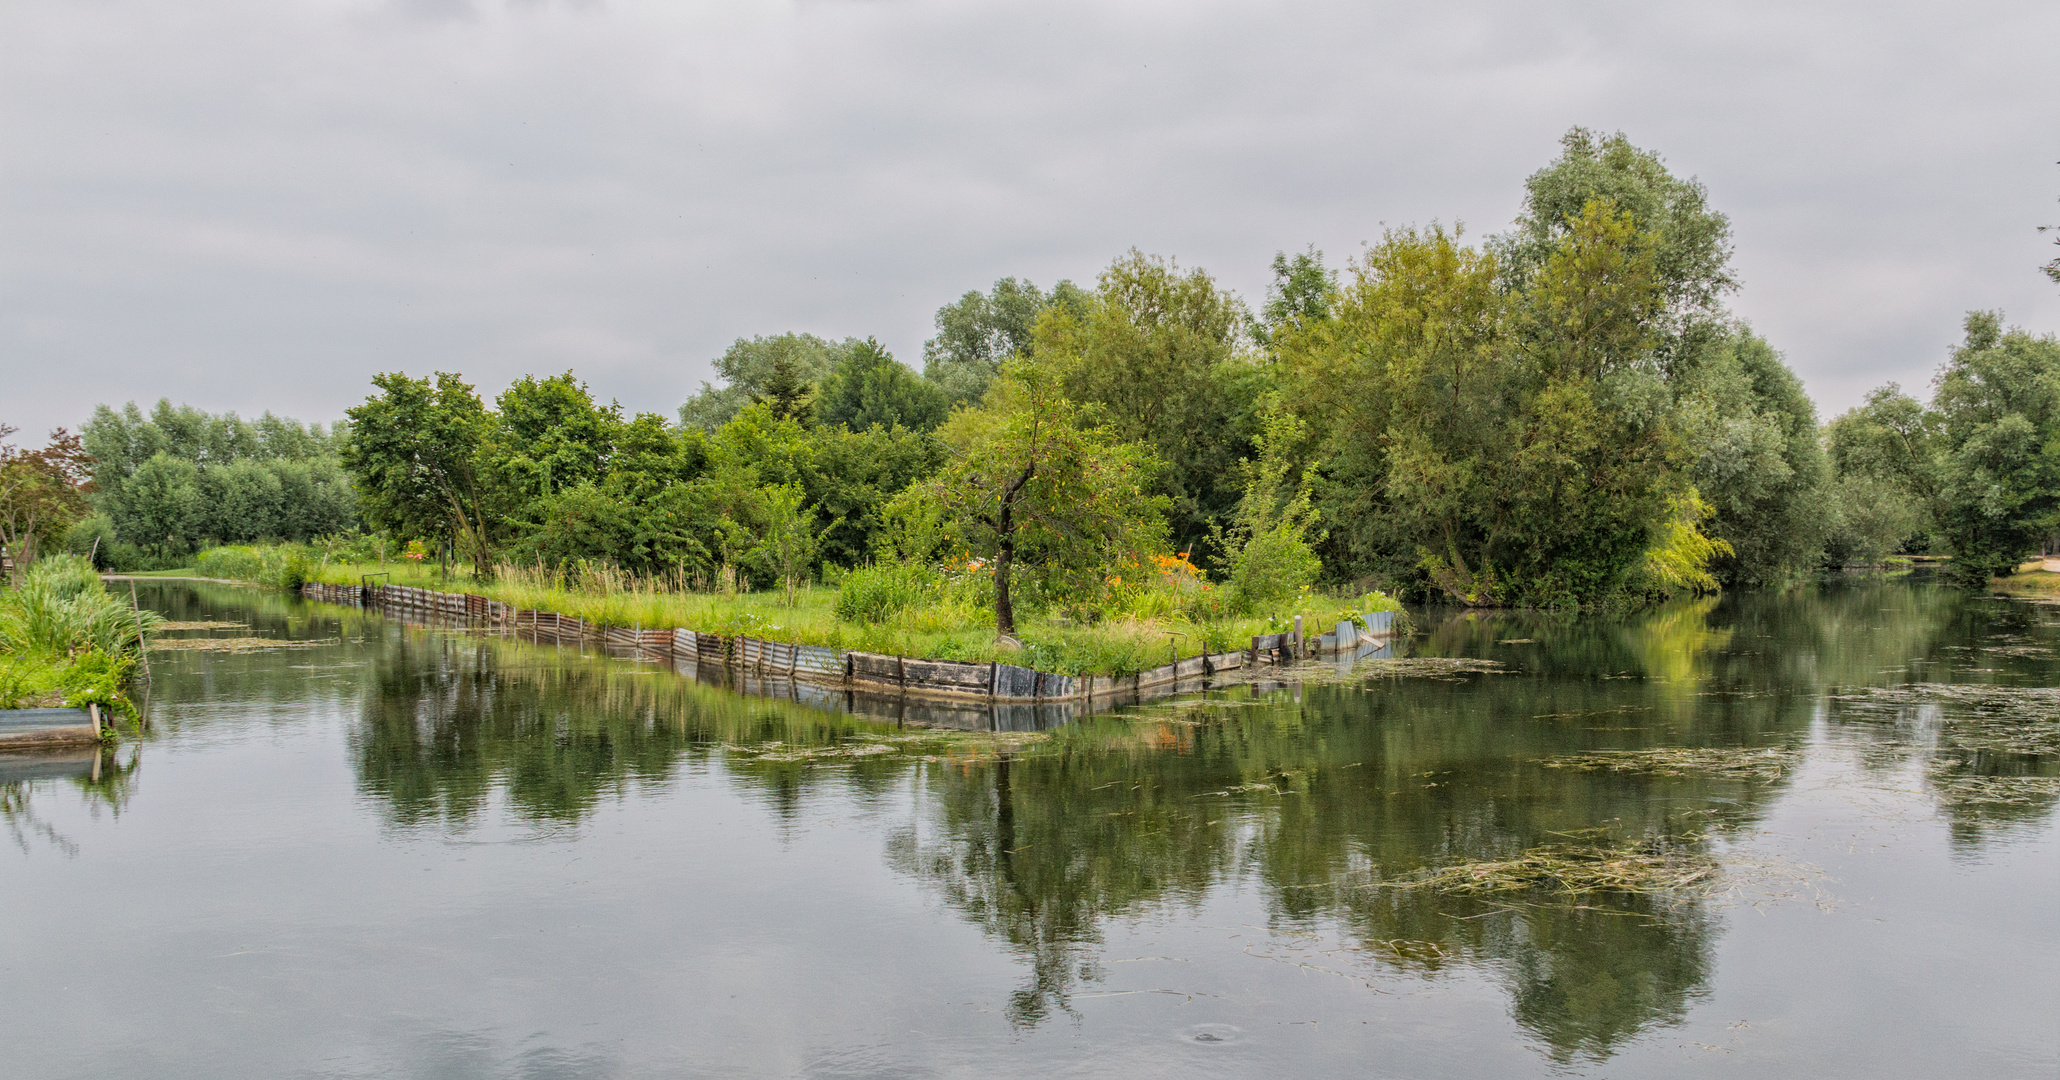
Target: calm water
point(420, 853)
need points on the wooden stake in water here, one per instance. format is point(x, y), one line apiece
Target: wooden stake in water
point(136, 610)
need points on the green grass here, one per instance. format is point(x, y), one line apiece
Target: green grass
point(946, 630)
point(65, 641)
point(45, 681)
point(2030, 583)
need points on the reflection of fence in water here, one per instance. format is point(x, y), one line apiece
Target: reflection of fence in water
point(939, 693)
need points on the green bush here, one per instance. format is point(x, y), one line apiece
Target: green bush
point(61, 608)
point(875, 594)
point(284, 566)
point(1276, 565)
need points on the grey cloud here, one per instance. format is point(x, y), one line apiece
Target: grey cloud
point(257, 205)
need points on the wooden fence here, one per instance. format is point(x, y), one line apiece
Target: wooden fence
point(859, 672)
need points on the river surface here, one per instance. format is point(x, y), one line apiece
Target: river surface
point(406, 852)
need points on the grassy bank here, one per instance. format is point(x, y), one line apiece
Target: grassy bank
point(950, 621)
point(2030, 582)
point(65, 642)
point(47, 681)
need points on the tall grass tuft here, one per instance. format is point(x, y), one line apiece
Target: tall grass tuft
point(61, 609)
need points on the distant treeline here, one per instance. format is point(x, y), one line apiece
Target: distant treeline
point(176, 480)
point(1564, 413)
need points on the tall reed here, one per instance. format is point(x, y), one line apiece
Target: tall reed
point(60, 609)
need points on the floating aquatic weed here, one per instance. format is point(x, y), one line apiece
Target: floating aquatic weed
point(1964, 791)
point(1430, 667)
point(1729, 762)
point(163, 626)
point(232, 645)
point(1996, 719)
point(780, 753)
point(1328, 672)
point(1573, 870)
point(929, 745)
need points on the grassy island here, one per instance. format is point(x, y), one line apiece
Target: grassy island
point(908, 611)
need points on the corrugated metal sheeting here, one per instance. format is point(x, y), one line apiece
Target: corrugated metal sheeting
point(871, 672)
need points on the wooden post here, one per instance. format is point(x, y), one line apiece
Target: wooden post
point(93, 710)
point(1298, 638)
point(142, 651)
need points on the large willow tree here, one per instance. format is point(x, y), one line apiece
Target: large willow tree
point(1528, 421)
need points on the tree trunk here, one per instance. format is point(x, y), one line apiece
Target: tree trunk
point(1004, 610)
point(1005, 557)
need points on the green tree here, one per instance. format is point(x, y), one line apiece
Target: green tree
point(979, 332)
point(1594, 473)
point(791, 536)
point(1267, 544)
point(1687, 242)
point(41, 495)
point(316, 498)
point(414, 452)
point(551, 434)
point(1496, 444)
point(853, 476)
point(787, 394)
point(583, 522)
point(271, 478)
point(157, 505)
point(1302, 295)
point(1404, 393)
point(1998, 401)
point(747, 369)
point(239, 503)
point(1883, 458)
point(1163, 353)
point(868, 388)
point(1036, 488)
point(1759, 462)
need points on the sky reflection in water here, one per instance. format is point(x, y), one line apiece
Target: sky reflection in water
point(421, 853)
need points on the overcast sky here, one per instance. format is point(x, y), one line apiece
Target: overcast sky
point(257, 204)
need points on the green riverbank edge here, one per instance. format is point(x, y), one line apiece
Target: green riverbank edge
point(37, 681)
point(1108, 649)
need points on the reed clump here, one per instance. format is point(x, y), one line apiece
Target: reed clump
point(64, 640)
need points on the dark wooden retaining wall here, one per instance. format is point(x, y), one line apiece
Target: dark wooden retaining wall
point(857, 672)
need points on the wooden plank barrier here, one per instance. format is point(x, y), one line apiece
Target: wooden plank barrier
point(875, 669)
point(996, 682)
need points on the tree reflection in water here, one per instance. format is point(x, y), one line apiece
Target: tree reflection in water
point(1323, 798)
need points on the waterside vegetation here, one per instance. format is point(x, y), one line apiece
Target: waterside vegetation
point(891, 609)
point(65, 640)
point(1560, 416)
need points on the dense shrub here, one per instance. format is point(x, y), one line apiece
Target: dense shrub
point(284, 566)
point(875, 594)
